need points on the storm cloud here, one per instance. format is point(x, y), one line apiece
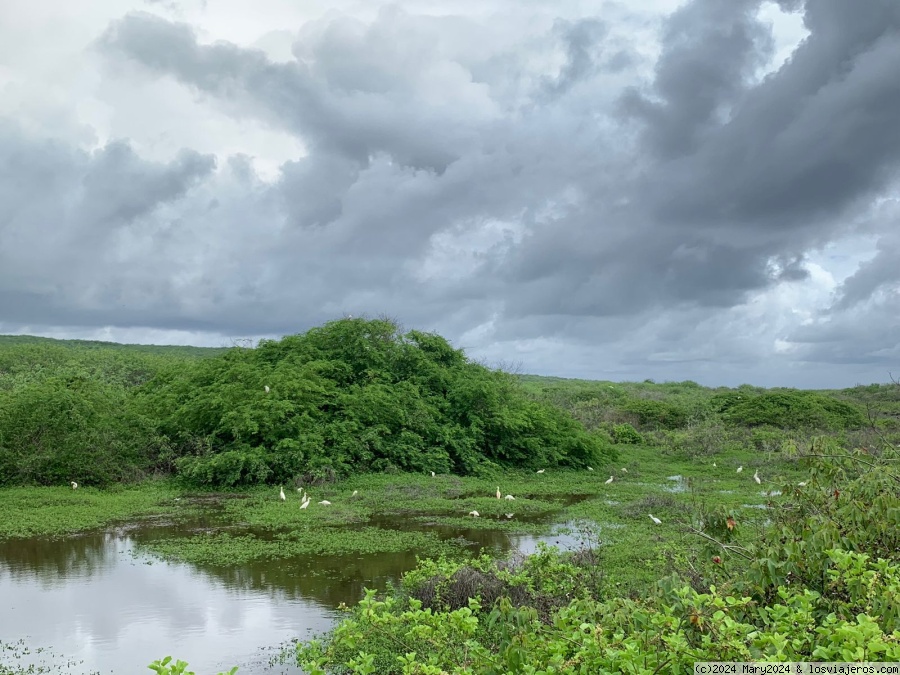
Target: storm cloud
point(617, 193)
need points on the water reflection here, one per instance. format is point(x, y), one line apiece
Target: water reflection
point(94, 599)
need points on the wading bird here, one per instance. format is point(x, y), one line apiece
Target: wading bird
point(714, 463)
point(541, 470)
point(432, 474)
point(281, 493)
point(590, 468)
point(510, 515)
point(355, 492)
point(740, 468)
point(655, 519)
point(624, 470)
point(509, 497)
point(305, 502)
point(474, 514)
point(267, 388)
point(803, 484)
point(610, 480)
point(756, 477)
point(499, 494)
point(325, 502)
point(74, 485)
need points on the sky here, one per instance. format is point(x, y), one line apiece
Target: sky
point(676, 190)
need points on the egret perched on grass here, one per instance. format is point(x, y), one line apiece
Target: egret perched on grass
point(499, 494)
point(474, 514)
point(541, 470)
point(267, 389)
point(305, 502)
point(740, 468)
point(509, 497)
point(624, 470)
point(432, 474)
point(281, 493)
point(655, 519)
point(325, 502)
point(610, 480)
point(590, 468)
point(803, 484)
point(509, 515)
point(355, 492)
point(714, 463)
point(756, 477)
point(74, 485)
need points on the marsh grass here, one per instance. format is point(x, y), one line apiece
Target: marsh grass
point(429, 515)
point(58, 511)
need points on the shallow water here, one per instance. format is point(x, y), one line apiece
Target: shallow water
point(99, 606)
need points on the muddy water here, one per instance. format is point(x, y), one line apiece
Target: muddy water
point(97, 605)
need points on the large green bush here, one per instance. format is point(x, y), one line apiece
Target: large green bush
point(355, 395)
point(72, 428)
point(790, 409)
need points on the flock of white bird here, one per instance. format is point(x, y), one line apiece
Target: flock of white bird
point(305, 499)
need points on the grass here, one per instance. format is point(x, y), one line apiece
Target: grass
point(420, 513)
point(59, 511)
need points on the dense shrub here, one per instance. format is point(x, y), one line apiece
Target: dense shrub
point(72, 428)
point(626, 434)
point(355, 395)
point(656, 414)
point(791, 410)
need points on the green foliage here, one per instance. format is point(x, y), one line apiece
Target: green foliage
point(626, 434)
point(54, 511)
point(72, 428)
point(788, 409)
point(654, 414)
point(821, 585)
point(355, 395)
point(167, 667)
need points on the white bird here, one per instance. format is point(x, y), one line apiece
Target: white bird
point(655, 519)
point(541, 470)
point(305, 503)
point(714, 463)
point(624, 470)
point(740, 468)
point(267, 388)
point(355, 492)
point(281, 493)
point(432, 474)
point(803, 484)
point(474, 514)
point(499, 494)
point(74, 485)
point(756, 477)
point(325, 502)
point(509, 497)
point(590, 468)
point(607, 482)
point(510, 515)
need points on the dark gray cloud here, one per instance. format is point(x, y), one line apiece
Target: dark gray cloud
point(503, 185)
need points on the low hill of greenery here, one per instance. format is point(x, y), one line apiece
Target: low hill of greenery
point(360, 395)
point(351, 396)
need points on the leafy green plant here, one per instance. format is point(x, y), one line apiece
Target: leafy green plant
point(166, 666)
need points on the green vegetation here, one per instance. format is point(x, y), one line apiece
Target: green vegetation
point(56, 511)
point(799, 565)
point(821, 584)
point(353, 395)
